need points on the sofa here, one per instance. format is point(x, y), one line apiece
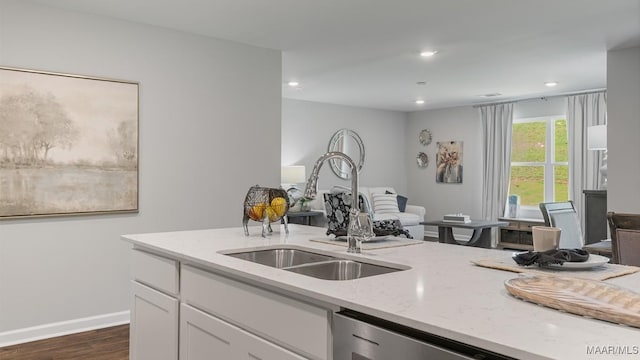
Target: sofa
point(379, 203)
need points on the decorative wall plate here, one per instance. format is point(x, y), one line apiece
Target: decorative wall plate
point(425, 137)
point(422, 159)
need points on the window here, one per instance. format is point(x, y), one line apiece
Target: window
point(539, 160)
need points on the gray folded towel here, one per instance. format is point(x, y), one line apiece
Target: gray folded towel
point(553, 256)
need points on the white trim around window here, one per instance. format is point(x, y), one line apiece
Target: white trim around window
point(529, 211)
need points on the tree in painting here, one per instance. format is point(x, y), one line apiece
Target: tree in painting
point(124, 142)
point(37, 123)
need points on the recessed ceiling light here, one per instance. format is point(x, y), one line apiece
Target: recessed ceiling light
point(428, 53)
point(293, 83)
point(421, 83)
point(551, 83)
point(419, 101)
point(490, 95)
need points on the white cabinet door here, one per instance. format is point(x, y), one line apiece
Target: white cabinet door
point(203, 336)
point(261, 349)
point(154, 325)
point(291, 323)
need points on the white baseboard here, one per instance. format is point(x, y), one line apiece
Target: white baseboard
point(47, 331)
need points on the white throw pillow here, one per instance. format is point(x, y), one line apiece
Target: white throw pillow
point(385, 203)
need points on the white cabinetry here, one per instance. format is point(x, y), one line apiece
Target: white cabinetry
point(154, 308)
point(289, 323)
point(154, 325)
point(190, 313)
point(203, 337)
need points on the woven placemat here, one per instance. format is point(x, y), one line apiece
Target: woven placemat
point(602, 272)
point(387, 242)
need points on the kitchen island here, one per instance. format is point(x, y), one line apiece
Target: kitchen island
point(442, 293)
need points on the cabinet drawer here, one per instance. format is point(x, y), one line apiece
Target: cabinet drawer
point(512, 225)
point(509, 236)
point(203, 336)
point(155, 271)
point(526, 238)
point(526, 226)
point(293, 324)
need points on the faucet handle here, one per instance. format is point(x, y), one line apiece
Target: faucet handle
point(365, 222)
point(360, 229)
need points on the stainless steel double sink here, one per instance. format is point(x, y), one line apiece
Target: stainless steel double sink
point(315, 264)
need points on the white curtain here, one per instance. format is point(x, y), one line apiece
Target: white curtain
point(583, 111)
point(497, 121)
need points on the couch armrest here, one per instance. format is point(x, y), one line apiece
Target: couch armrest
point(415, 209)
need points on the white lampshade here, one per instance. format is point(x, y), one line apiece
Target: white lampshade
point(597, 137)
point(294, 174)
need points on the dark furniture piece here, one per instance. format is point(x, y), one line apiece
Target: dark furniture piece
point(563, 215)
point(595, 216)
point(625, 238)
point(517, 234)
point(481, 236)
point(600, 248)
point(304, 216)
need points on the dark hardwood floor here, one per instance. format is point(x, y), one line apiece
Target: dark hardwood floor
point(102, 344)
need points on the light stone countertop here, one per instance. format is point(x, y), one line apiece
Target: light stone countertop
point(442, 293)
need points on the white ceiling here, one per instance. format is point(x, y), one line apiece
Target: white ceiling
point(366, 52)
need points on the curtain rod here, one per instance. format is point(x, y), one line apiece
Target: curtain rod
point(542, 97)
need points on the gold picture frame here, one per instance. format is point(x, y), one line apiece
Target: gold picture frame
point(68, 144)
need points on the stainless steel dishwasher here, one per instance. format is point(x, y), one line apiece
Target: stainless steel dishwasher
point(361, 337)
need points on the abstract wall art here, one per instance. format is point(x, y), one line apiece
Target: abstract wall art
point(449, 162)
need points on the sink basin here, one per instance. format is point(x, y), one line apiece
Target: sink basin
point(315, 264)
point(281, 258)
point(341, 270)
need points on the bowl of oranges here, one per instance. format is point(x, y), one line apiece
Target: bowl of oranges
point(266, 203)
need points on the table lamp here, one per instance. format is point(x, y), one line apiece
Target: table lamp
point(292, 175)
point(597, 140)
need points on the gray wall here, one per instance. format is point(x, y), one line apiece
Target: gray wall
point(459, 124)
point(201, 146)
point(623, 130)
point(540, 107)
point(308, 126)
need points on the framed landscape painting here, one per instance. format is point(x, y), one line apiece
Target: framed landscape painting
point(449, 162)
point(68, 144)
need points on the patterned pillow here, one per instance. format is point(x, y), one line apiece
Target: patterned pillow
point(390, 227)
point(385, 203)
point(338, 207)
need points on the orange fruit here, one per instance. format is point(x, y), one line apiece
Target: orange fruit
point(279, 205)
point(273, 216)
point(257, 212)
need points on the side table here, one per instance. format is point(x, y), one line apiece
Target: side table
point(481, 236)
point(304, 216)
point(518, 234)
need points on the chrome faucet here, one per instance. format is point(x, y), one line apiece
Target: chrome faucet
point(360, 224)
